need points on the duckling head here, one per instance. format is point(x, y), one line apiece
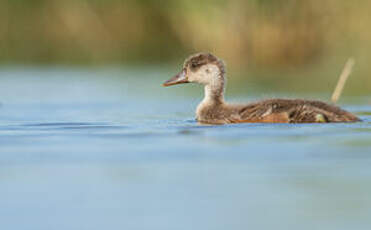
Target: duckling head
point(202, 68)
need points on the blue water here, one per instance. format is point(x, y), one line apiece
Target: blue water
point(112, 149)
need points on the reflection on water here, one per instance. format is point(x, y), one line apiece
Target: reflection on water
point(113, 150)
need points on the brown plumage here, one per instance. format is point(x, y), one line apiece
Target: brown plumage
point(207, 69)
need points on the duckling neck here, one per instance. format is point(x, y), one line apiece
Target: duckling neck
point(213, 95)
point(214, 98)
point(214, 92)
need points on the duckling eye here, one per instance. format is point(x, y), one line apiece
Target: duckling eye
point(194, 65)
point(207, 71)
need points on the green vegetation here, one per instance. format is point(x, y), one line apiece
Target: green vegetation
point(264, 36)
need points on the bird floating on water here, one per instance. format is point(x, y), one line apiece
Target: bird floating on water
point(208, 70)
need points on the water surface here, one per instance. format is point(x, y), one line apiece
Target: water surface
point(111, 149)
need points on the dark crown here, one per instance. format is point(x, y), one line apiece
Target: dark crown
point(197, 60)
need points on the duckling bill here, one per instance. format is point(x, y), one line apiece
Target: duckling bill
point(208, 70)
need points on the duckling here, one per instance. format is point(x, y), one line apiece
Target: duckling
point(208, 70)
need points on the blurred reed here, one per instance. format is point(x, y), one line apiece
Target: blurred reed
point(269, 34)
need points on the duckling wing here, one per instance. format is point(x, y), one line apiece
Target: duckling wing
point(260, 112)
point(293, 111)
point(306, 111)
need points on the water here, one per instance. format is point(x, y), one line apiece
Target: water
point(109, 149)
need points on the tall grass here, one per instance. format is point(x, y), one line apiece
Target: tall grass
point(262, 34)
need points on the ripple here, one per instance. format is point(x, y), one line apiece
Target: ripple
point(59, 124)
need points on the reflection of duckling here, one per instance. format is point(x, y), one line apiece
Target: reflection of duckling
point(208, 70)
